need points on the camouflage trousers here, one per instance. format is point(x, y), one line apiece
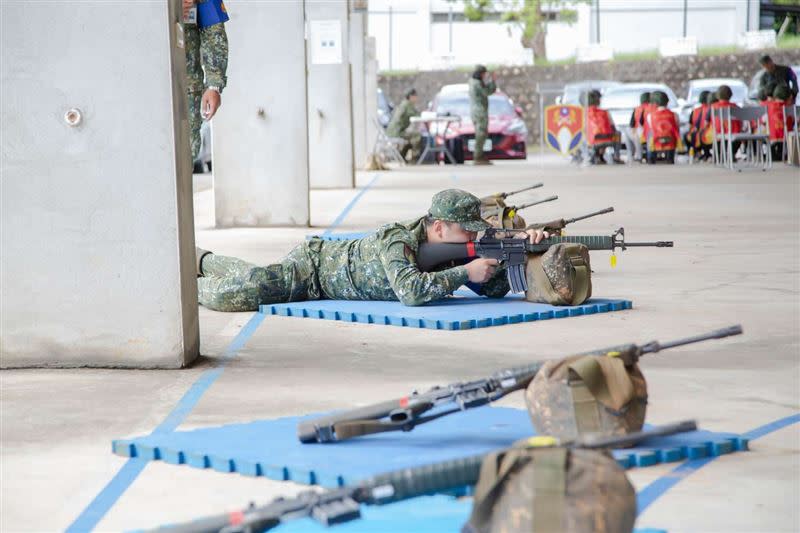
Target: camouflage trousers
point(230, 284)
point(413, 143)
point(481, 124)
point(193, 99)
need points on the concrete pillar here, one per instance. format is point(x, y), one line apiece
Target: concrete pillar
point(260, 152)
point(371, 90)
point(330, 118)
point(358, 27)
point(97, 263)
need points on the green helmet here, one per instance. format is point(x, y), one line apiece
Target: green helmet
point(644, 98)
point(659, 98)
point(782, 92)
point(454, 205)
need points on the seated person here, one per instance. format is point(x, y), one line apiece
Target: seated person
point(661, 129)
point(724, 94)
point(381, 266)
point(780, 98)
point(400, 126)
point(634, 137)
point(600, 131)
point(697, 123)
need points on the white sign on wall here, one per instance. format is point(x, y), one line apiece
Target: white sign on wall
point(326, 42)
point(677, 46)
point(756, 40)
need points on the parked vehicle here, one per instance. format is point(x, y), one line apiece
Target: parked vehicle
point(756, 80)
point(621, 100)
point(385, 109)
point(573, 91)
point(685, 107)
point(508, 134)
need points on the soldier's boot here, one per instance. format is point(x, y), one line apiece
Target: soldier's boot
point(482, 161)
point(199, 255)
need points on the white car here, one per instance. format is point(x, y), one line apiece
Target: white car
point(573, 92)
point(738, 87)
point(620, 101)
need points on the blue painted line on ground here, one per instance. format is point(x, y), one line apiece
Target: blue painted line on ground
point(127, 474)
point(648, 495)
point(350, 206)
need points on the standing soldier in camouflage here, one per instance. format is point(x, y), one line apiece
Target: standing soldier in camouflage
point(206, 53)
point(400, 126)
point(381, 266)
point(481, 86)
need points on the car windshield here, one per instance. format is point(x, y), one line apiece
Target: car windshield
point(622, 97)
point(459, 105)
point(739, 91)
point(572, 93)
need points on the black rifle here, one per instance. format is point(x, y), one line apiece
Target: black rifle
point(560, 223)
point(513, 252)
point(406, 413)
point(343, 504)
point(498, 197)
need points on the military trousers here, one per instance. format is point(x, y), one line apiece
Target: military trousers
point(230, 284)
point(481, 124)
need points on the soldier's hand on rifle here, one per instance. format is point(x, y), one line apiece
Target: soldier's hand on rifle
point(481, 270)
point(534, 235)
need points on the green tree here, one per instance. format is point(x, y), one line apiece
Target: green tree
point(531, 16)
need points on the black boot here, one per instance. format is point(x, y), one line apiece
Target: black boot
point(199, 255)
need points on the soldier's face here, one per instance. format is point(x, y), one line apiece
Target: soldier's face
point(453, 232)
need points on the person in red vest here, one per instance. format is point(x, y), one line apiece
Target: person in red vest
point(780, 98)
point(634, 134)
point(661, 129)
point(600, 131)
point(693, 138)
point(724, 94)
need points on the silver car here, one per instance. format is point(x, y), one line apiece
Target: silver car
point(738, 87)
point(620, 101)
point(574, 91)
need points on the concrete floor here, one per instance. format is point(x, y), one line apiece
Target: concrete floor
point(735, 260)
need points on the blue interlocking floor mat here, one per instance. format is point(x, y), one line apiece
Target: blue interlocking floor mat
point(464, 310)
point(270, 448)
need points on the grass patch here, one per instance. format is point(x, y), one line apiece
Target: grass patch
point(644, 55)
point(789, 42)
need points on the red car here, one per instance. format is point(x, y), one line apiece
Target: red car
point(508, 134)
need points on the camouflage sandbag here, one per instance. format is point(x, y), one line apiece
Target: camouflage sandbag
point(552, 490)
point(587, 394)
point(560, 276)
point(503, 218)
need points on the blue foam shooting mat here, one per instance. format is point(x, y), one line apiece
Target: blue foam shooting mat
point(462, 311)
point(427, 514)
point(270, 448)
point(339, 236)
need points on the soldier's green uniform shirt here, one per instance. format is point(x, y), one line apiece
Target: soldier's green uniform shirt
point(381, 266)
point(401, 119)
point(206, 52)
point(479, 111)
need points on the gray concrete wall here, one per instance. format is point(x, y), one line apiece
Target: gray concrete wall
point(260, 143)
point(370, 91)
point(97, 236)
point(330, 120)
point(357, 34)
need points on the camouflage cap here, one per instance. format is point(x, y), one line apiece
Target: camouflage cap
point(454, 205)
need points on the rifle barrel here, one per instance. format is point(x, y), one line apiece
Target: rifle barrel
point(531, 204)
point(507, 194)
point(617, 441)
point(590, 215)
point(716, 334)
point(656, 244)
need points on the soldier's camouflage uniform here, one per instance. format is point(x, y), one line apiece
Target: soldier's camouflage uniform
point(206, 50)
point(400, 126)
point(479, 110)
point(381, 266)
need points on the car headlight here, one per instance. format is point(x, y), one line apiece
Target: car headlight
point(518, 127)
